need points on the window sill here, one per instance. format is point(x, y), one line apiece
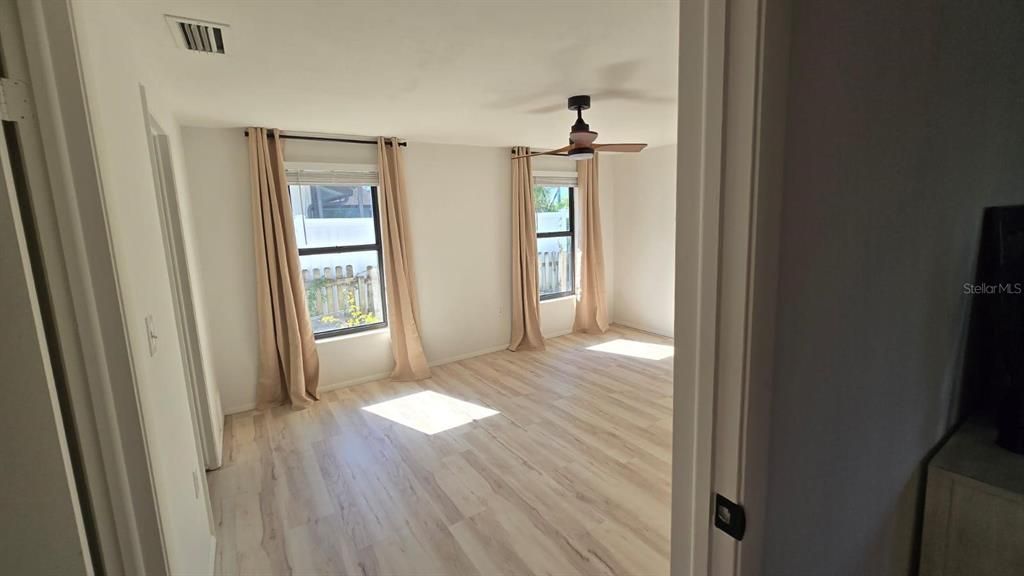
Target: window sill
point(362, 334)
point(559, 299)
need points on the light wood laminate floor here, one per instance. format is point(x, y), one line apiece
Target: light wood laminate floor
point(572, 477)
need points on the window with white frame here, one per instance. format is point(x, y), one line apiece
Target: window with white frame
point(554, 205)
point(335, 209)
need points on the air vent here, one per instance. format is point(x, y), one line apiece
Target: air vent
point(197, 35)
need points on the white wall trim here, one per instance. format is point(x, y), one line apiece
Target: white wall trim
point(557, 334)
point(730, 153)
point(205, 416)
point(702, 56)
point(573, 296)
point(228, 411)
point(353, 382)
point(467, 355)
point(97, 307)
point(354, 336)
point(384, 375)
point(637, 326)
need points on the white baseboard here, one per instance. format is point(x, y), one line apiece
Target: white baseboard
point(239, 409)
point(557, 334)
point(383, 375)
point(480, 352)
point(438, 362)
point(354, 381)
point(637, 326)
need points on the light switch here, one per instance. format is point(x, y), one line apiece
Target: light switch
point(151, 334)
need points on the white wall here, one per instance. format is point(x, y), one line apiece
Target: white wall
point(644, 245)
point(112, 77)
point(460, 225)
point(904, 121)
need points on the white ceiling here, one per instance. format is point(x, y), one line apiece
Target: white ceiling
point(484, 72)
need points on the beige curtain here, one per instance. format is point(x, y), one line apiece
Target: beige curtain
point(525, 292)
point(400, 287)
point(592, 307)
point(289, 367)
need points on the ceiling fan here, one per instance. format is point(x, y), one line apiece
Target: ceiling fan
point(581, 137)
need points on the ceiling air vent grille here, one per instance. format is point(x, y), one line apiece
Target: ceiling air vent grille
point(197, 35)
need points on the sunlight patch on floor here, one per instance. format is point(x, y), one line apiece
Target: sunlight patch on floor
point(634, 348)
point(430, 412)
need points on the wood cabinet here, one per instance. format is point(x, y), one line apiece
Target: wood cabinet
point(974, 508)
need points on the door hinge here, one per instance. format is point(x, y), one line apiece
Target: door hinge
point(15, 104)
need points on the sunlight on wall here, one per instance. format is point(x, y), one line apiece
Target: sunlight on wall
point(430, 412)
point(636, 349)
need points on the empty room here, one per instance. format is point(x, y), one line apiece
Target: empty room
point(415, 263)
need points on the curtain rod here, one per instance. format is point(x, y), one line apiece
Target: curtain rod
point(324, 139)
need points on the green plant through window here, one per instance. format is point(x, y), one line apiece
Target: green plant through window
point(337, 230)
point(357, 316)
point(313, 296)
point(548, 199)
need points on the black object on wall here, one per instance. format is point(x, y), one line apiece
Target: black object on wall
point(995, 362)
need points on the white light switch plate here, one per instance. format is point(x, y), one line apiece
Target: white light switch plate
point(151, 335)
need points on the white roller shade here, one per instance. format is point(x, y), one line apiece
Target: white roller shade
point(551, 178)
point(327, 174)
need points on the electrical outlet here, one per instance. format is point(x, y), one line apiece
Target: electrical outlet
point(151, 334)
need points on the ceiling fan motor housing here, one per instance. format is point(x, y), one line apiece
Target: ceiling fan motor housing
point(579, 102)
point(580, 134)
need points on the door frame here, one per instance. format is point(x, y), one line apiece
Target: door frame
point(204, 413)
point(203, 423)
point(733, 68)
point(90, 318)
point(33, 351)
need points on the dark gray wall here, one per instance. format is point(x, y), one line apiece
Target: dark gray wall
point(905, 119)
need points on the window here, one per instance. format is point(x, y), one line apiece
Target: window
point(337, 230)
point(555, 240)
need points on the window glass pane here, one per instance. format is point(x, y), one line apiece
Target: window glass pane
point(554, 265)
point(343, 290)
point(332, 215)
point(551, 204)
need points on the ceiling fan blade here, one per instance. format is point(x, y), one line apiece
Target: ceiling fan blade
point(619, 147)
point(547, 109)
point(558, 152)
